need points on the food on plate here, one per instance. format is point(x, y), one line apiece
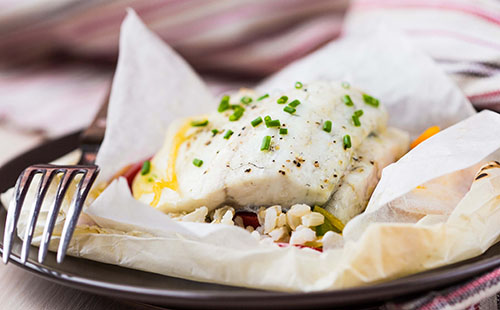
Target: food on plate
point(429, 132)
point(276, 158)
point(295, 166)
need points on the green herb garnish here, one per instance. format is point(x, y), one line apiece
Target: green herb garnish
point(228, 134)
point(146, 167)
point(238, 112)
point(273, 123)
point(369, 100)
point(262, 97)
point(347, 100)
point(358, 113)
point(282, 100)
point(298, 85)
point(356, 121)
point(197, 162)
point(266, 143)
point(327, 126)
point(246, 100)
point(347, 142)
point(199, 123)
point(256, 121)
point(224, 104)
point(289, 109)
point(294, 103)
point(214, 132)
point(283, 131)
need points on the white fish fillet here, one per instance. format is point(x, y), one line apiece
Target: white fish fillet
point(357, 185)
point(304, 166)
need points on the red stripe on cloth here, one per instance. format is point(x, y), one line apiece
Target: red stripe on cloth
point(442, 5)
point(224, 16)
point(469, 288)
point(456, 35)
point(260, 64)
point(235, 15)
point(485, 95)
point(114, 17)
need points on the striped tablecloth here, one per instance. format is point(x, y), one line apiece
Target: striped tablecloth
point(57, 58)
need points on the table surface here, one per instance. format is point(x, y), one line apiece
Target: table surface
point(19, 289)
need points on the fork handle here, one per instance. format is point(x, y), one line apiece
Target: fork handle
point(94, 134)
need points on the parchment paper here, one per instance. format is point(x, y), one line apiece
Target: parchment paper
point(126, 232)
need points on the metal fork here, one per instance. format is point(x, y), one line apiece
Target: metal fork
point(89, 145)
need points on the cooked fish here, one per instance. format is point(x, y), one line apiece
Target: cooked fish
point(374, 154)
point(220, 159)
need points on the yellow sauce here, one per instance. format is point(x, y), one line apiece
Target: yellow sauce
point(143, 184)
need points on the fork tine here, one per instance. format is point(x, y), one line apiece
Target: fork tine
point(54, 212)
point(84, 186)
point(42, 190)
point(20, 191)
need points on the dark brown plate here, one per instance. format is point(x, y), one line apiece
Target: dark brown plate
point(151, 288)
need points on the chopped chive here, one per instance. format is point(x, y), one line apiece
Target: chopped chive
point(358, 113)
point(146, 167)
point(346, 85)
point(282, 100)
point(214, 132)
point(238, 112)
point(246, 100)
point(267, 118)
point(199, 123)
point(327, 126)
point(294, 103)
point(273, 123)
point(283, 131)
point(355, 120)
point(256, 121)
point(197, 162)
point(347, 142)
point(369, 100)
point(298, 85)
point(228, 134)
point(347, 100)
point(266, 143)
point(234, 117)
point(224, 104)
point(262, 97)
point(289, 109)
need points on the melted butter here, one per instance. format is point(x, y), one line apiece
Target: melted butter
point(143, 184)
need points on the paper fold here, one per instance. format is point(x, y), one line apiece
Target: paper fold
point(152, 87)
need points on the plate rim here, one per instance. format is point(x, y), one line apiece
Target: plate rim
point(369, 294)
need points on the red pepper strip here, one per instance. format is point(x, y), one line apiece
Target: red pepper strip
point(131, 172)
point(284, 245)
point(249, 218)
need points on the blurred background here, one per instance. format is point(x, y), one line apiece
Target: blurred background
point(57, 57)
